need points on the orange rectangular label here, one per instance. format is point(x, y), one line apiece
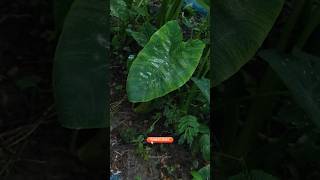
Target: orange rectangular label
point(160, 140)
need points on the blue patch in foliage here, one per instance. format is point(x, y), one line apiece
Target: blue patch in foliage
point(196, 6)
point(115, 177)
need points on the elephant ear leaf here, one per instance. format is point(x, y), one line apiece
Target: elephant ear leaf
point(80, 66)
point(163, 65)
point(240, 27)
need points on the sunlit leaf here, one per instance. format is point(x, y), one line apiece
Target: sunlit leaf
point(163, 65)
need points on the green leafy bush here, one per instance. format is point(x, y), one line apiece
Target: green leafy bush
point(188, 128)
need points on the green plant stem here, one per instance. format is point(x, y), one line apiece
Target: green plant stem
point(261, 109)
point(175, 10)
point(193, 90)
point(170, 9)
point(207, 69)
point(162, 13)
point(140, 3)
point(259, 113)
point(297, 9)
point(136, 19)
point(205, 60)
point(190, 95)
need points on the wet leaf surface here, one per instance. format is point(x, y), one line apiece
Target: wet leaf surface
point(163, 65)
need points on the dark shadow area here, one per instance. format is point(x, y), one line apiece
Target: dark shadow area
point(33, 145)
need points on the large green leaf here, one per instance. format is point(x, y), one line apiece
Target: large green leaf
point(80, 66)
point(239, 28)
point(301, 74)
point(163, 65)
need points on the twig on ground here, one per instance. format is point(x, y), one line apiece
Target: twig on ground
point(23, 133)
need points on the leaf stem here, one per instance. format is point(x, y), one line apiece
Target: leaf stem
point(193, 90)
point(190, 95)
point(259, 112)
point(292, 21)
point(205, 60)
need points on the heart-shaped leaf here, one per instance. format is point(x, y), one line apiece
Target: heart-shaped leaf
point(301, 74)
point(163, 65)
point(239, 28)
point(80, 66)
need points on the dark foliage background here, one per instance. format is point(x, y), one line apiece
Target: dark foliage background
point(262, 126)
point(33, 145)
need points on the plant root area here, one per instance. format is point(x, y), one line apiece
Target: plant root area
point(165, 162)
